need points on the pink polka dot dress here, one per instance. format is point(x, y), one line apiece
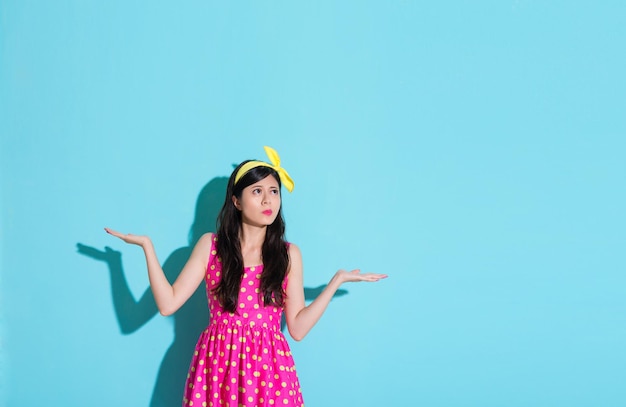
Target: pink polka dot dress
point(242, 358)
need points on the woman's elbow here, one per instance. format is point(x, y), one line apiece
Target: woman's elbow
point(296, 336)
point(166, 312)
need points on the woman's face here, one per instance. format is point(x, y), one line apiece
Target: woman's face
point(260, 202)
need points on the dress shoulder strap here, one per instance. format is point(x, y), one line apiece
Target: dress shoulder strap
point(212, 252)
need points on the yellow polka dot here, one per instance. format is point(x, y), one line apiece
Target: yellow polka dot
point(252, 268)
point(198, 395)
point(243, 289)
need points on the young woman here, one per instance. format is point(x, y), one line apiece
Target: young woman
point(252, 276)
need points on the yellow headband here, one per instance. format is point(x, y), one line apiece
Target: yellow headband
point(275, 164)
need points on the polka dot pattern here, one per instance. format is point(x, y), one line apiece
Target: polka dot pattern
point(242, 358)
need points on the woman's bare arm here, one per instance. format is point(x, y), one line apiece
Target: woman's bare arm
point(301, 318)
point(170, 297)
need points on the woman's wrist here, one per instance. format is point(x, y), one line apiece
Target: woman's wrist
point(337, 279)
point(146, 243)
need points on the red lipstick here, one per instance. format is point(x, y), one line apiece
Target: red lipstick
point(267, 212)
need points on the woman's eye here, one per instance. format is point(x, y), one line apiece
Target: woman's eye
point(275, 191)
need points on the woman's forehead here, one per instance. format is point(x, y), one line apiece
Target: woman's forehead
point(268, 181)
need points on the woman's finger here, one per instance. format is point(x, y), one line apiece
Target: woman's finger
point(114, 233)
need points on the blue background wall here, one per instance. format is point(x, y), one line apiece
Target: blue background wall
point(474, 151)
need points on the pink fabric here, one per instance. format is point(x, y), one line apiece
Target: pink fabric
point(243, 358)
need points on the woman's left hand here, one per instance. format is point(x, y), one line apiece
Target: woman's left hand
point(356, 276)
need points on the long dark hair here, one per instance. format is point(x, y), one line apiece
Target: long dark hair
point(274, 251)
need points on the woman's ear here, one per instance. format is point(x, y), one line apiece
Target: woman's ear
point(236, 202)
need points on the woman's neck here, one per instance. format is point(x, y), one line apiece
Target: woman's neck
point(252, 237)
point(251, 240)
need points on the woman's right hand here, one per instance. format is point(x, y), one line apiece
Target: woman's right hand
point(129, 238)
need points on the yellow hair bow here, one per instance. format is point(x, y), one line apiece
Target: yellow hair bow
point(285, 179)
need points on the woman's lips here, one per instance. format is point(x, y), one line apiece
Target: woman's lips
point(267, 212)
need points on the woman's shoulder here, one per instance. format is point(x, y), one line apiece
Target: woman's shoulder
point(210, 236)
point(207, 240)
point(293, 250)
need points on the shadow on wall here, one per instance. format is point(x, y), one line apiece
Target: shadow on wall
point(192, 317)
